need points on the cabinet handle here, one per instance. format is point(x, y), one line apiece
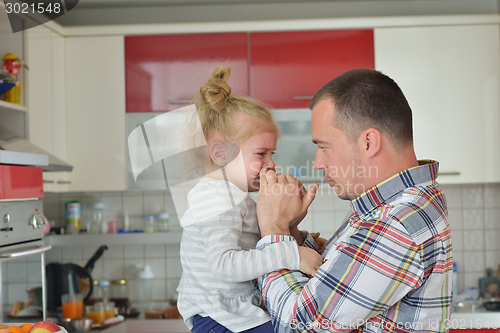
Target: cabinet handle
point(45, 181)
point(64, 182)
point(26, 252)
point(179, 101)
point(449, 173)
point(302, 98)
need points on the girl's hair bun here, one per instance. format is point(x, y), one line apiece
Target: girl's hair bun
point(216, 92)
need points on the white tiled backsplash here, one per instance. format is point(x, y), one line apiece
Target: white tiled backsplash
point(474, 214)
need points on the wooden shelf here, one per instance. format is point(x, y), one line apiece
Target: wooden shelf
point(107, 239)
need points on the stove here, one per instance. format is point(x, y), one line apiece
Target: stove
point(21, 218)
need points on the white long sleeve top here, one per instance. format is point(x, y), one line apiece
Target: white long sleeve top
point(219, 259)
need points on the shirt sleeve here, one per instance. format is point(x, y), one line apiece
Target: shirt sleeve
point(229, 262)
point(363, 276)
point(308, 240)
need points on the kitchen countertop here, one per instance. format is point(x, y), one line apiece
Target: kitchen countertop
point(480, 318)
point(149, 326)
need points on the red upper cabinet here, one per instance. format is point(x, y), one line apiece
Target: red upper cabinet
point(164, 72)
point(289, 67)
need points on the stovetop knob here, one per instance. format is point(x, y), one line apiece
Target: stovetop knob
point(34, 222)
point(6, 218)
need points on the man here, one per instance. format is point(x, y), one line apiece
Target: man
point(389, 266)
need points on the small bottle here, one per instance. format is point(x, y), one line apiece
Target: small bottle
point(149, 223)
point(163, 225)
point(144, 286)
point(104, 290)
point(126, 222)
point(98, 218)
point(73, 217)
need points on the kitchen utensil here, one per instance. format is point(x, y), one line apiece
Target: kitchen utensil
point(63, 279)
point(90, 264)
point(492, 304)
point(69, 279)
point(489, 286)
point(79, 325)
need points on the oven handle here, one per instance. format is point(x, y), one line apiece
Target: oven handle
point(29, 252)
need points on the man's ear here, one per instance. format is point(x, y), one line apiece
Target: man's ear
point(370, 142)
point(218, 153)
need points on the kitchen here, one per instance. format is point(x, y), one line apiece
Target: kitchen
point(84, 122)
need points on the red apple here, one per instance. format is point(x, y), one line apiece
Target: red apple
point(4, 330)
point(44, 327)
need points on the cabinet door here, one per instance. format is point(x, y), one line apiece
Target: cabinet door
point(95, 113)
point(62, 180)
point(287, 68)
point(450, 76)
point(46, 99)
point(164, 73)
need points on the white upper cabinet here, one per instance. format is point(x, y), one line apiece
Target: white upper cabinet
point(450, 76)
point(95, 112)
point(46, 100)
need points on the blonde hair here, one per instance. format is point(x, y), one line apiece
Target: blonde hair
point(219, 110)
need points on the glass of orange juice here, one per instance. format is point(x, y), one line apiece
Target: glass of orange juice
point(72, 306)
point(96, 313)
point(110, 310)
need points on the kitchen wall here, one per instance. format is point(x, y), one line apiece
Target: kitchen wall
point(474, 212)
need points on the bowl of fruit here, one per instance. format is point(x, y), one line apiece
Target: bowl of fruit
point(39, 327)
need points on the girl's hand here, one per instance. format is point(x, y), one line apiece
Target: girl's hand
point(320, 242)
point(310, 260)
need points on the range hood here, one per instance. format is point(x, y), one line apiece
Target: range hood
point(10, 142)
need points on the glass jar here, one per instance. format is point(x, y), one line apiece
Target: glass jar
point(163, 225)
point(102, 291)
point(119, 289)
point(97, 218)
point(120, 295)
point(149, 223)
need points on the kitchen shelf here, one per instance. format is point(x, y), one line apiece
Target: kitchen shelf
point(11, 106)
point(131, 238)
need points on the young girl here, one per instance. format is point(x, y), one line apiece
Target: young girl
point(218, 254)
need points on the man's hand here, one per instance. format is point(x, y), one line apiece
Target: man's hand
point(280, 202)
point(310, 260)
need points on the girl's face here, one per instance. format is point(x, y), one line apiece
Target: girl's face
point(254, 153)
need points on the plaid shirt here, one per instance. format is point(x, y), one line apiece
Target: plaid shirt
point(387, 269)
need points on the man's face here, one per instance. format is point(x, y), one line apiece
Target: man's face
point(339, 159)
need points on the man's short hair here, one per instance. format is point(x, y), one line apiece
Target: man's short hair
point(365, 98)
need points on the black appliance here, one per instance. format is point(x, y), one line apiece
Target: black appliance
point(67, 279)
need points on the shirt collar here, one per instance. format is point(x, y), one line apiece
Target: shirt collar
point(376, 196)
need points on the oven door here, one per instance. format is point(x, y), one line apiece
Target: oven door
point(35, 248)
